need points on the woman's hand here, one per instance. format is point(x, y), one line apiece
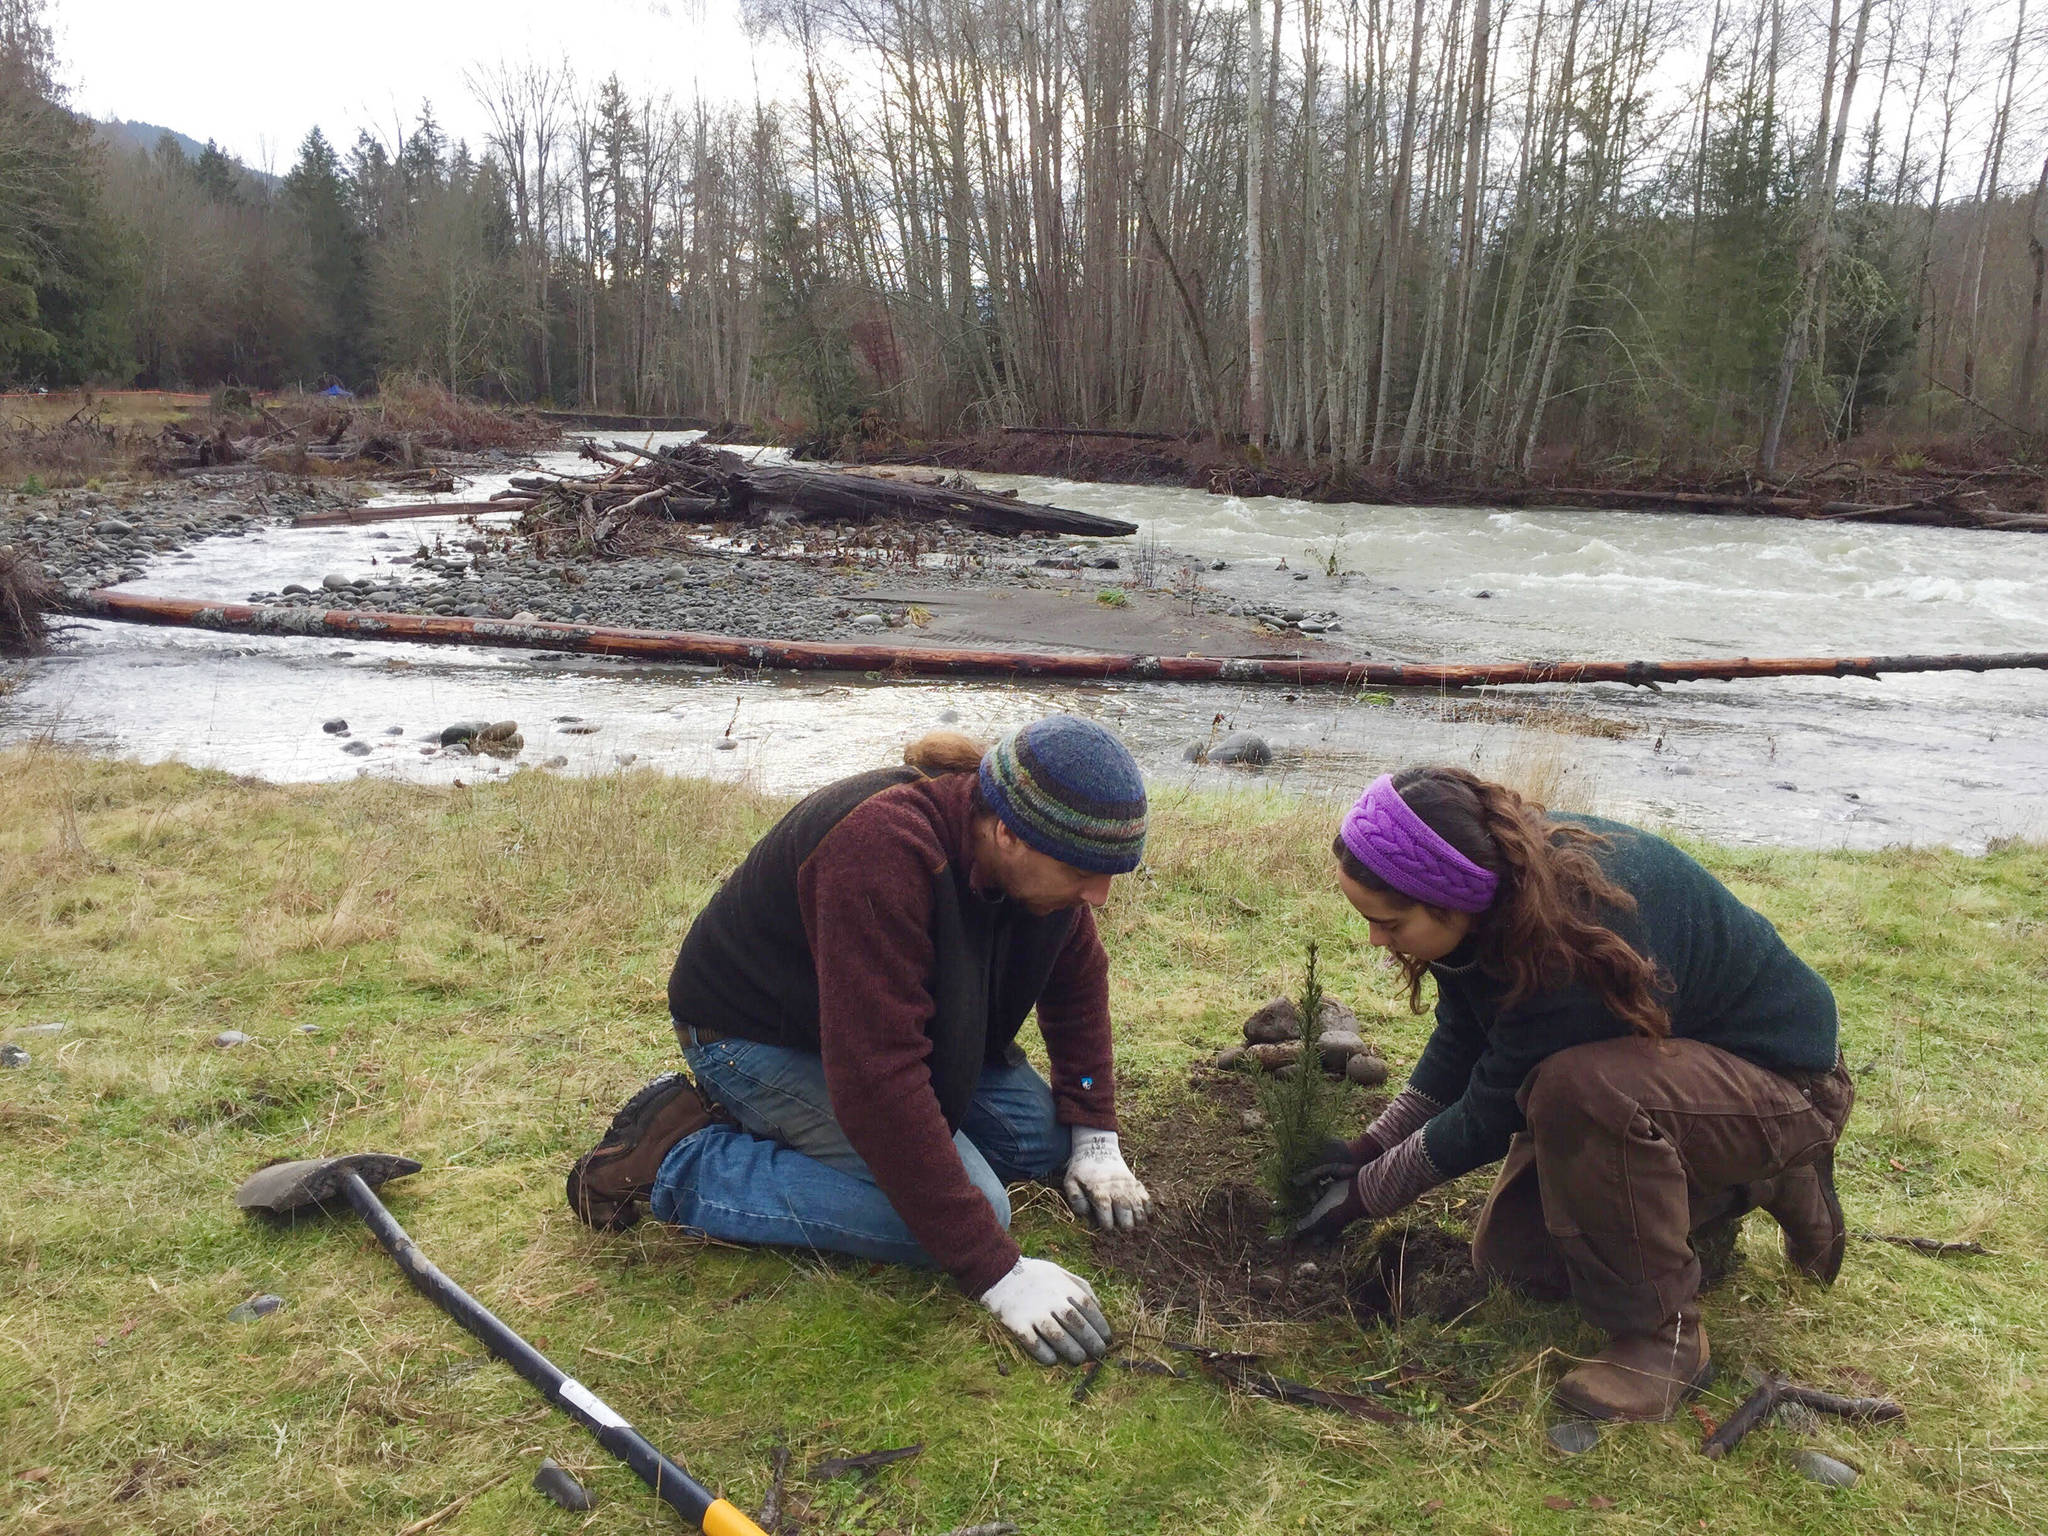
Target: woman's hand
point(1339, 1206)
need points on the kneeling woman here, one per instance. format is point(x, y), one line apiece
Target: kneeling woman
point(1643, 1050)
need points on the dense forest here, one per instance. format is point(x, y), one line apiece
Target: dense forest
point(1446, 235)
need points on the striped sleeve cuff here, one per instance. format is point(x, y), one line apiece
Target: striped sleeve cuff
point(1409, 1112)
point(1389, 1183)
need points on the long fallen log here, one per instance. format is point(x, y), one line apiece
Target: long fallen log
point(944, 661)
point(410, 509)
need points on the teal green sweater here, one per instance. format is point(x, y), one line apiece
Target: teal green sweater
point(1732, 982)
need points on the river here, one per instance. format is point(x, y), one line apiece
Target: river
point(1952, 759)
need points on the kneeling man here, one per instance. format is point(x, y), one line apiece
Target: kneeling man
point(850, 1000)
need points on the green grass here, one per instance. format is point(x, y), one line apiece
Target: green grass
point(485, 970)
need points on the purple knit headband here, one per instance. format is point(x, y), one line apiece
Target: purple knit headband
point(1393, 842)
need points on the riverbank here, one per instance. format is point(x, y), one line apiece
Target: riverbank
point(1981, 487)
point(473, 977)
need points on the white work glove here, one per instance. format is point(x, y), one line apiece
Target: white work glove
point(1054, 1315)
point(1100, 1183)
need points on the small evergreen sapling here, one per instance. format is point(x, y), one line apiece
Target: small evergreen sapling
point(1301, 1106)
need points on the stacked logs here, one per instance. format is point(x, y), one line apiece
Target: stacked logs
point(1273, 1043)
point(690, 482)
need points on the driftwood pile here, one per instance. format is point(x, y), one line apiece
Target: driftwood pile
point(693, 483)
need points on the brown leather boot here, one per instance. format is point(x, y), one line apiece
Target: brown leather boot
point(608, 1182)
point(1641, 1376)
point(1803, 1202)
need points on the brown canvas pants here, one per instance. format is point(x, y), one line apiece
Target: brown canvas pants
point(1631, 1145)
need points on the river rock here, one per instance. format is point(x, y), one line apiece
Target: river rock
point(255, 1307)
point(334, 581)
point(1252, 1120)
point(1242, 747)
point(577, 728)
point(868, 621)
point(461, 730)
point(394, 730)
point(295, 588)
point(357, 748)
point(1825, 1469)
point(1229, 1059)
point(1336, 1047)
point(555, 1481)
point(1283, 1053)
point(1276, 1021)
point(14, 1056)
point(725, 744)
point(1574, 1437)
point(1368, 1070)
point(335, 727)
point(228, 1039)
point(498, 730)
point(1334, 1016)
point(115, 526)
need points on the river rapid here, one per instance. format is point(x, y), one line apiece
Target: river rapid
point(1954, 759)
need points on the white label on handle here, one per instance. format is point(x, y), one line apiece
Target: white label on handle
point(577, 1395)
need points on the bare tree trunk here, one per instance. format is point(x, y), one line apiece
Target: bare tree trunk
point(1827, 164)
point(1987, 204)
point(2030, 350)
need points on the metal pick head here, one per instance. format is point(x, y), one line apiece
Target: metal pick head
point(314, 1181)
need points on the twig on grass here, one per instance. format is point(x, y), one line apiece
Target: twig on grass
point(453, 1507)
point(1776, 1390)
point(1235, 1370)
point(1934, 1245)
point(1087, 1382)
point(867, 1461)
point(771, 1506)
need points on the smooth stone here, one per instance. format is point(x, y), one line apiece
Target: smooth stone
point(295, 588)
point(1193, 752)
point(949, 717)
point(1337, 1048)
point(498, 730)
point(1367, 1070)
point(1574, 1437)
point(725, 744)
point(626, 759)
point(229, 1038)
point(1242, 747)
point(557, 761)
point(1252, 1120)
point(1825, 1469)
point(309, 1029)
point(114, 525)
point(1107, 563)
point(578, 728)
point(461, 730)
point(1333, 1017)
point(394, 730)
point(357, 749)
point(335, 727)
point(334, 581)
point(255, 1307)
point(869, 621)
point(556, 1482)
point(1277, 1056)
point(1301, 575)
point(1230, 1058)
point(14, 1056)
point(1277, 1021)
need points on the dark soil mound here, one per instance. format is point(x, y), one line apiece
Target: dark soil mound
point(1416, 1271)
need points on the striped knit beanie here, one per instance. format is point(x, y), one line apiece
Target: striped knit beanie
point(1071, 790)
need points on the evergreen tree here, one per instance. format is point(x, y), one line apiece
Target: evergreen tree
point(319, 199)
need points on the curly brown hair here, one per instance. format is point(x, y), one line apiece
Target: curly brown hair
point(1543, 929)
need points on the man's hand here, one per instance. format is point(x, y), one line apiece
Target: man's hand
point(1100, 1183)
point(1053, 1314)
point(1339, 1206)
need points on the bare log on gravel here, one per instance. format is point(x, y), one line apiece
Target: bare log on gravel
point(692, 483)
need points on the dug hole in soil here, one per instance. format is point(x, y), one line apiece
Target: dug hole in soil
point(1209, 1251)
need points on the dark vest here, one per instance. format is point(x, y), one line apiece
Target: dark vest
point(746, 966)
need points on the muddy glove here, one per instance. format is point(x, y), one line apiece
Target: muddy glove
point(1099, 1182)
point(1339, 1206)
point(1336, 1159)
point(1053, 1314)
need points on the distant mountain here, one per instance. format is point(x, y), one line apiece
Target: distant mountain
point(127, 136)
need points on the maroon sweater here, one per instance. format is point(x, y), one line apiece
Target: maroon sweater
point(829, 938)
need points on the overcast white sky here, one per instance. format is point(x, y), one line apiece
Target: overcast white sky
point(257, 77)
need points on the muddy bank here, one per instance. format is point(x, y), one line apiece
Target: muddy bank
point(1974, 492)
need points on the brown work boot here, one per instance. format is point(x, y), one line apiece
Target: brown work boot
point(1803, 1202)
point(608, 1182)
point(1642, 1375)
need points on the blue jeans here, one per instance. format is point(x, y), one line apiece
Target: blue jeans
point(786, 1175)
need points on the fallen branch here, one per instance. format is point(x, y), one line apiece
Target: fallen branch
point(452, 1508)
point(1776, 1389)
point(946, 661)
point(1235, 1370)
point(866, 1462)
point(1147, 437)
point(1933, 1245)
